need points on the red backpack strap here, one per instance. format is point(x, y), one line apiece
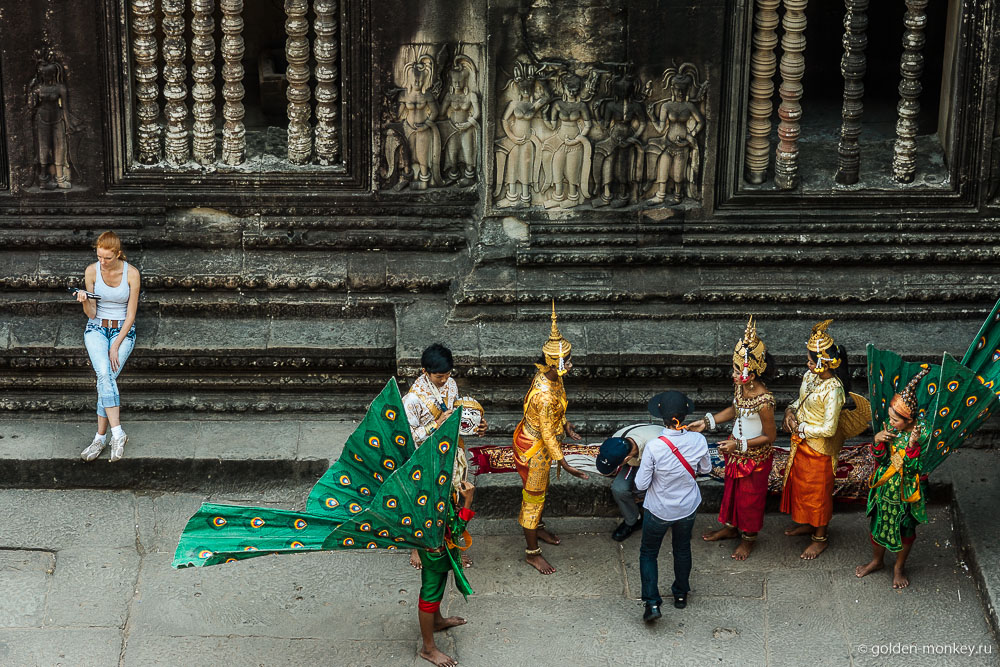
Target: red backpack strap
point(673, 448)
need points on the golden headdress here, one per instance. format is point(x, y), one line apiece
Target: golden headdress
point(819, 342)
point(750, 352)
point(556, 349)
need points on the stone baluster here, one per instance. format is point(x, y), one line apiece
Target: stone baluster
point(203, 73)
point(793, 65)
point(174, 75)
point(234, 142)
point(297, 73)
point(147, 108)
point(911, 67)
point(763, 63)
point(852, 66)
point(326, 50)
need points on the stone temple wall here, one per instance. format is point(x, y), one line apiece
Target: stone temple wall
point(316, 190)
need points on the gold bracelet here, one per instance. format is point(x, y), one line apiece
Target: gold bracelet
point(533, 552)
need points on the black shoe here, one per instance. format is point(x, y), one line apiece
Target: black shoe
point(624, 530)
point(680, 601)
point(652, 612)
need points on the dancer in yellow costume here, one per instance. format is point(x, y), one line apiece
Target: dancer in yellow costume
point(538, 442)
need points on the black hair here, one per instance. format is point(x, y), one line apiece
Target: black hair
point(437, 359)
point(770, 369)
point(843, 371)
point(679, 417)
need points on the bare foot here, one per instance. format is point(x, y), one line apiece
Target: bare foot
point(868, 568)
point(899, 578)
point(743, 550)
point(813, 550)
point(450, 622)
point(547, 537)
point(436, 657)
point(799, 529)
point(415, 560)
point(539, 563)
point(724, 533)
point(466, 560)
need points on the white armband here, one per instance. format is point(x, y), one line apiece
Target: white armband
point(710, 418)
point(743, 444)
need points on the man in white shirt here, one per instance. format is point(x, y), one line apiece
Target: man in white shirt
point(667, 472)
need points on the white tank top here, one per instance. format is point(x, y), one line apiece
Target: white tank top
point(114, 300)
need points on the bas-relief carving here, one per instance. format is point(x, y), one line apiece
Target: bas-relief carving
point(570, 134)
point(53, 125)
point(432, 135)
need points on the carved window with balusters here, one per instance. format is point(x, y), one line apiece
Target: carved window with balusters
point(229, 88)
point(846, 97)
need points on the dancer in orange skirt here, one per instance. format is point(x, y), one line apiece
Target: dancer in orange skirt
point(819, 426)
point(538, 442)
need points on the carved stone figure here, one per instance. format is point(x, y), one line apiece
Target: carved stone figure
point(418, 109)
point(460, 125)
point(673, 159)
point(618, 157)
point(48, 96)
point(565, 164)
point(517, 152)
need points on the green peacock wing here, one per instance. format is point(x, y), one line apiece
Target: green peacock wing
point(222, 533)
point(983, 355)
point(962, 403)
point(410, 509)
point(889, 374)
point(374, 451)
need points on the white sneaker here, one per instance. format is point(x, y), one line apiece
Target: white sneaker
point(93, 450)
point(118, 447)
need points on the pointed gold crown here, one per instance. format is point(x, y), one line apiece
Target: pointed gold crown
point(820, 340)
point(556, 349)
point(750, 350)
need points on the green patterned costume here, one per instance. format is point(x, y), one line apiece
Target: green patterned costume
point(954, 400)
point(382, 492)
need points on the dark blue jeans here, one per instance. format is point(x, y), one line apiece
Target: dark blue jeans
point(653, 532)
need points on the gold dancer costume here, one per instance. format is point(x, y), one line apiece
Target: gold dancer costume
point(538, 438)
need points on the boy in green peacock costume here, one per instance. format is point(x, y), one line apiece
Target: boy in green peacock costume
point(382, 492)
point(937, 409)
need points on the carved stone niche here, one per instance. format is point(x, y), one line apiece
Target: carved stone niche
point(432, 117)
point(569, 134)
point(55, 129)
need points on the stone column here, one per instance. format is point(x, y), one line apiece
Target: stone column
point(763, 63)
point(852, 66)
point(793, 65)
point(326, 50)
point(147, 109)
point(297, 73)
point(203, 73)
point(178, 148)
point(234, 143)
point(911, 67)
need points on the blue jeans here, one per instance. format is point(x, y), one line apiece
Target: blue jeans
point(653, 531)
point(98, 340)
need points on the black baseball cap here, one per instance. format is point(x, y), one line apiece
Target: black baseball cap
point(669, 403)
point(612, 454)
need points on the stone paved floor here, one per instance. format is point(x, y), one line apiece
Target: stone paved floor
point(85, 580)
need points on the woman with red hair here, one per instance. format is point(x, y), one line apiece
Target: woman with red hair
point(109, 336)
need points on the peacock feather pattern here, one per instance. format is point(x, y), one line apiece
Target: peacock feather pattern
point(382, 492)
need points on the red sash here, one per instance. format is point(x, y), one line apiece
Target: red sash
point(687, 466)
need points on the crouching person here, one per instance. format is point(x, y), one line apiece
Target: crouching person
point(619, 458)
point(667, 471)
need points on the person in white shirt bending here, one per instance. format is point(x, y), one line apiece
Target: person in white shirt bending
point(667, 473)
